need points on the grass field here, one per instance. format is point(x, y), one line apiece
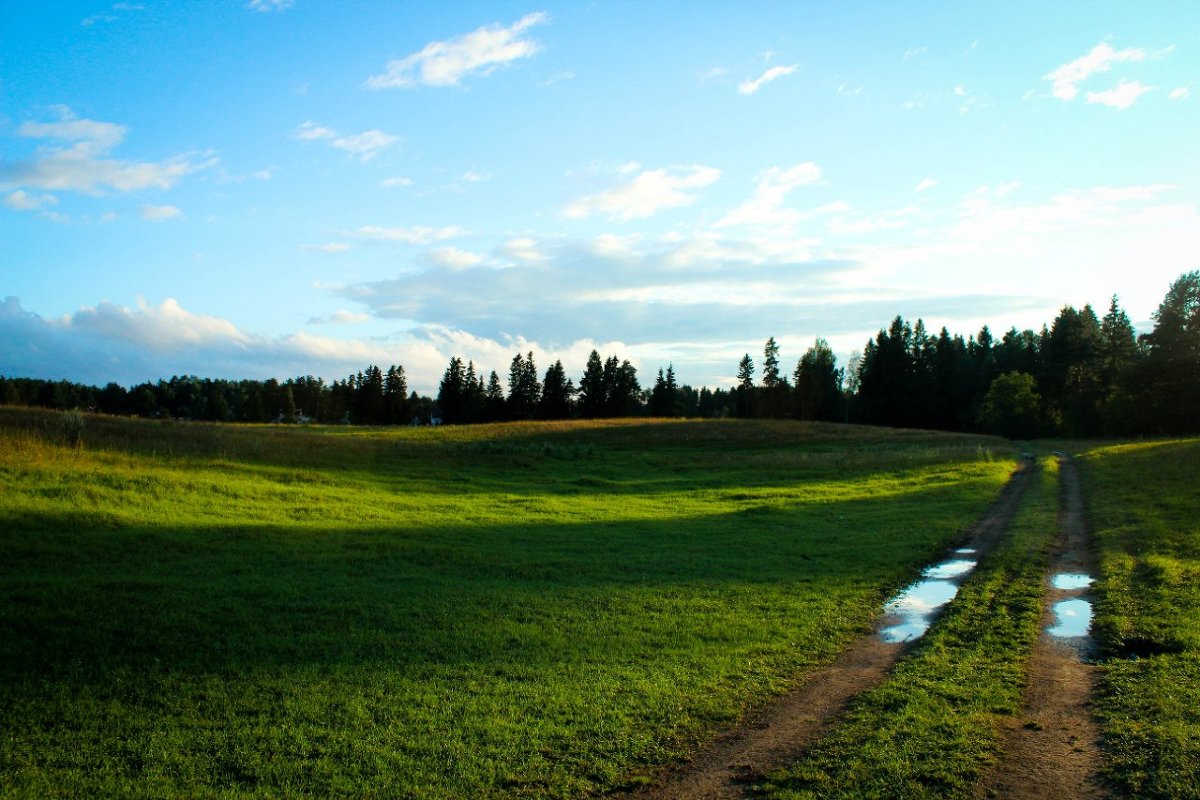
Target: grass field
point(540, 610)
point(1145, 510)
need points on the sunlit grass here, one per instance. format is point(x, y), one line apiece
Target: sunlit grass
point(513, 610)
point(1145, 508)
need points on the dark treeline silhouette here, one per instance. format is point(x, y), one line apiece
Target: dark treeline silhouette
point(1082, 375)
point(371, 397)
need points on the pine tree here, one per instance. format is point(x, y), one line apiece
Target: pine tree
point(591, 388)
point(1170, 377)
point(452, 391)
point(819, 383)
point(395, 394)
point(557, 391)
point(524, 390)
point(495, 398)
point(745, 387)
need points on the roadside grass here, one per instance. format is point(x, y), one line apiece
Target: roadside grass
point(1145, 511)
point(932, 727)
point(524, 610)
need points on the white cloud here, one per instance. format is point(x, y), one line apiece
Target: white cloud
point(81, 166)
point(475, 177)
point(340, 317)
point(446, 63)
point(888, 220)
point(366, 145)
point(161, 328)
point(417, 234)
point(1121, 97)
point(565, 75)
point(1179, 94)
point(22, 201)
point(646, 194)
point(160, 213)
point(928, 183)
point(915, 52)
point(329, 248)
point(393, 182)
point(766, 207)
point(311, 131)
point(1066, 78)
point(523, 249)
point(266, 6)
point(453, 258)
point(774, 73)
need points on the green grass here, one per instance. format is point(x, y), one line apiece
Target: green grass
point(526, 610)
point(932, 727)
point(1145, 510)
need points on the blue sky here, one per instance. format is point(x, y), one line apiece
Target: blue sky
point(272, 188)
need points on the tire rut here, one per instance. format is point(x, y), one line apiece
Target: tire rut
point(1052, 749)
point(731, 764)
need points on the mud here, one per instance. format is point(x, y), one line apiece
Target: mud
point(734, 762)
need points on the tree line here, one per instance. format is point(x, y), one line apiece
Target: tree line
point(370, 397)
point(1081, 375)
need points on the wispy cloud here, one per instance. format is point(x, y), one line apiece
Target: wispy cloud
point(329, 248)
point(23, 201)
point(81, 165)
point(646, 194)
point(766, 207)
point(366, 145)
point(1066, 78)
point(446, 63)
point(774, 73)
point(340, 317)
point(267, 6)
point(1179, 94)
point(1120, 97)
point(160, 213)
point(453, 258)
point(416, 234)
point(924, 185)
point(398, 181)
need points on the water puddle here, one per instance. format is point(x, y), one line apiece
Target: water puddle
point(1074, 618)
point(916, 606)
point(1069, 581)
point(964, 551)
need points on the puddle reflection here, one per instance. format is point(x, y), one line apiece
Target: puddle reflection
point(1068, 581)
point(919, 603)
point(1074, 618)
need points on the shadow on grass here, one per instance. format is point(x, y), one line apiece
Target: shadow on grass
point(80, 596)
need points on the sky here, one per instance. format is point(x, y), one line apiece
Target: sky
point(277, 188)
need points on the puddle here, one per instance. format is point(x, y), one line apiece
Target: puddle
point(949, 569)
point(1074, 618)
point(919, 603)
point(964, 551)
point(1069, 581)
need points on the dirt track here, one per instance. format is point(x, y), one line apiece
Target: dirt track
point(1052, 749)
point(732, 763)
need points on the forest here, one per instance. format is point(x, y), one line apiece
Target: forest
point(1080, 375)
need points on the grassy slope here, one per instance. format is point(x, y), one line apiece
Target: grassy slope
point(931, 728)
point(1145, 512)
point(518, 610)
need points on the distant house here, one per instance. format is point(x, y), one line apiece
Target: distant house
point(433, 418)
